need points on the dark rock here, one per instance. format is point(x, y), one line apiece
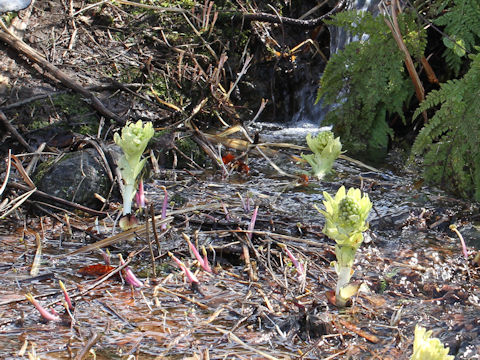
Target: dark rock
point(76, 177)
point(13, 5)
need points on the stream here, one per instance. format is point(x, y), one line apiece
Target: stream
point(411, 266)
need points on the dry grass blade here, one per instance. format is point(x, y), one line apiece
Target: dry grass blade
point(38, 256)
point(7, 172)
point(236, 339)
point(280, 171)
point(15, 203)
point(139, 230)
point(159, 288)
point(152, 7)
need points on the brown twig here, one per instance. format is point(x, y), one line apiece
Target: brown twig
point(39, 193)
point(397, 35)
point(82, 354)
point(18, 44)
point(306, 24)
point(14, 132)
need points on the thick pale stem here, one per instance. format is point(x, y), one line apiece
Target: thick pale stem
point(344, 275)
point(127, 198)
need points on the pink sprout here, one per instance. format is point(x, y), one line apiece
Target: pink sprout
point(65, 294)
point(203, 262)
point(190, 276)
point(252, 222)
point(140, 195)
point(129, 276)
point(298, 265)
point(106, 256)
point(49, 316)
point(206, 264)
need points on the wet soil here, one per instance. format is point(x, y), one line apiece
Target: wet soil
point(411, 268)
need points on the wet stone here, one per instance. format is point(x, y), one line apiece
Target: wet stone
point(76, 177)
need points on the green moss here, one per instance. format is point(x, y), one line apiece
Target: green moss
point(70, 104)
point(41, 170)
point(38, 124)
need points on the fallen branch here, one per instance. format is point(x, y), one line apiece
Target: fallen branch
point(306, 24)
point(18, 44)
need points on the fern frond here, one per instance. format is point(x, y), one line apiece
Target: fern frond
point(449, 141)
point(366, 83)
point(461, 22)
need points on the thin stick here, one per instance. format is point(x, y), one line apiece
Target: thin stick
point(82, 354)
point(18, 44)
point(147, 236)
point(154, 228)
point(14, 131)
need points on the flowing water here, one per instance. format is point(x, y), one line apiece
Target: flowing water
point(410, 262)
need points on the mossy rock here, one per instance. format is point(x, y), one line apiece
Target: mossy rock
point(76, 177)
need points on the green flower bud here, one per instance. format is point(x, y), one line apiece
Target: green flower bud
point(319, 143)
point(348, 211)
point(346, 216)
point(133, 141)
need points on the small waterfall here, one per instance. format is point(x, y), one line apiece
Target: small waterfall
point(311, 113)
point(339, 38)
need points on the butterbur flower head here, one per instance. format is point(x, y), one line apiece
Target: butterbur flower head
point(346, 216)
point(326, 149)
point(134, 140)
point(318, 143)
point(427, 348)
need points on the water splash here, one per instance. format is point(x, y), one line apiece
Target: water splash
point(311, 113)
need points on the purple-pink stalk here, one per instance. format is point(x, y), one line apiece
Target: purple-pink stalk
point(203, 262)
point(206, 264)
point(65, 294)
point(190, 276)
point(129, 276)
point(106, 256)
point(140, 195)
point(252, 223)
point(163, 227)
point(225, 211)
point(49, 316)
point(298, 265)
point(464, 247)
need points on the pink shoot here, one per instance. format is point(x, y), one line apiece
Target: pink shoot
point(245, 202)
point(298, 265)
point(106, 256)
point(225, 211)
point(252, 222)
point(194, 249)
point(49, 316)
point(206, 265)
point(464, 247)
point(140, 195)
point(129, 276)
point(65, 294)
point(163, 227)
point(190, 276)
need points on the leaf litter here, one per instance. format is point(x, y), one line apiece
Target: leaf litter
point(254, 304)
